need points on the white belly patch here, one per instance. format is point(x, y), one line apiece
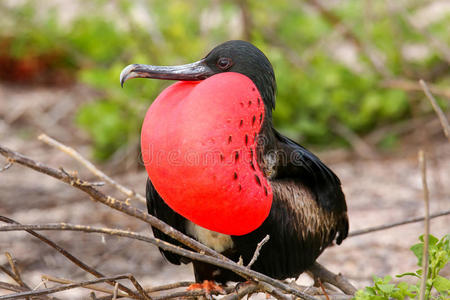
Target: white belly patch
point(215, 240)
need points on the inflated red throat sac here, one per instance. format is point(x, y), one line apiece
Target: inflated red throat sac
point(198, 144)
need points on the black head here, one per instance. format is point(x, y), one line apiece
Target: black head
point(232, 56)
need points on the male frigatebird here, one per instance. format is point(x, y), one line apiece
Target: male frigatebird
point(220, 173)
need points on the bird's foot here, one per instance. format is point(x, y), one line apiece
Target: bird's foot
point(209, 287)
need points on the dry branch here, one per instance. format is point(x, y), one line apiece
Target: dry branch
point(318, 270)
point(60, 288)
point(398, 223)
point(15, 275)
point(15, 271)
point(8, 272)
point(267, 284)
point(77, 156)
point(11, 287)
point(241, 291)
point(91, 287)
point(116, 288)
point(257, 250)
point(169, 286)
point(230, 265)
point(214, 258)
point(412, 86)
point(98, 196)
point(193, 294)
point(437, 109)
point(231, 292)
point(69, 256)
point(338, 280)
point(184, 294)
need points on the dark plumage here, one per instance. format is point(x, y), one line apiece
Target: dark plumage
point(308, 210)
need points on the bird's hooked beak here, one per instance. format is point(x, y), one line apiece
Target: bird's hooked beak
point(190, 72)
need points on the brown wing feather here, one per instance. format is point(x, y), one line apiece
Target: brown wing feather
point(309, 219)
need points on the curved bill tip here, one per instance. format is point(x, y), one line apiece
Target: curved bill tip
point(127, 73)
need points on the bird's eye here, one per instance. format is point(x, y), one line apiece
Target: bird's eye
point(224, 63)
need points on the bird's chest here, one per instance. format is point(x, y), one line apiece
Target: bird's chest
point(199, 148)
point(214, 240)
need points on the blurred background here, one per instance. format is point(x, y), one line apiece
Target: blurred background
point(347, 74)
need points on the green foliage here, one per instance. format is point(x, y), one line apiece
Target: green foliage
point(383, 289)
point(316, 87)
point(113, 130)
point(437, 287)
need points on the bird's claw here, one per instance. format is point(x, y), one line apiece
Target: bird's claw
point(209, 287)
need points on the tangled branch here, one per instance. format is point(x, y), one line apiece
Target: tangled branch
point(203, 253)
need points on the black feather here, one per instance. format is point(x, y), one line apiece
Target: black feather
point(308, 168)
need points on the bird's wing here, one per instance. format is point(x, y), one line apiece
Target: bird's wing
point(301, 168)
point(158, 208)
point(308, 211)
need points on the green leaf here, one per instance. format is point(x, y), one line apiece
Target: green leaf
point(432, 240)
point(371, 291)
point(417, 249)
point(441, 284)
point(387, 288)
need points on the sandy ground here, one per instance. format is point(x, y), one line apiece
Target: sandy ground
point(378, 191)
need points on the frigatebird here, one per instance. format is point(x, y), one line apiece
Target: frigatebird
point(220, 173)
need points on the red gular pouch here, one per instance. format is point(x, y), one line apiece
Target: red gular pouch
point(199, 142)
